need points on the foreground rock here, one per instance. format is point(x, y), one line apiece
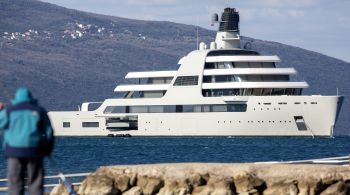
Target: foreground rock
point(215, 179)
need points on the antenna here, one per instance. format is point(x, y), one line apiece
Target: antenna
point(197, 38)
point(197, 35)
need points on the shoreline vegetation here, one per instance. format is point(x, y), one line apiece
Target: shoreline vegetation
point(215, 179)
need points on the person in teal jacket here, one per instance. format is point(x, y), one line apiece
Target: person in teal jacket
point(28, 138)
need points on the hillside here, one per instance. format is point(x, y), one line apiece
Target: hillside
point(67, 57)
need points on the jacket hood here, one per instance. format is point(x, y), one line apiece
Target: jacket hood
point(23, 95)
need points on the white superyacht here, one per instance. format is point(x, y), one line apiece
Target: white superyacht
point(220, 90)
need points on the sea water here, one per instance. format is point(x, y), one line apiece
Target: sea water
point(86, 154)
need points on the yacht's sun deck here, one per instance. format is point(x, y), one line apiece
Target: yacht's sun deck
point(150, 74)
point(126, 88)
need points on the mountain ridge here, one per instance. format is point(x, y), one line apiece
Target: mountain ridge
point(67, 56)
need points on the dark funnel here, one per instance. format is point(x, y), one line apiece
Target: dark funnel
point(229, 20)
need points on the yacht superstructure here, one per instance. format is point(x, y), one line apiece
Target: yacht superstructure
point(217, 91)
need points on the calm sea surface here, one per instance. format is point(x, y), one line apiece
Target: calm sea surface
point(85, 154)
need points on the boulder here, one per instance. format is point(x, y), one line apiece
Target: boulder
point(98, 184)
point(216, 185)
point(339, 188)
point(195, 180)
point(133, 191)
point(246, 182)
point(172, 187)
point(149, 185)
point(284, 187)
point(122, 182)
point(310, 187)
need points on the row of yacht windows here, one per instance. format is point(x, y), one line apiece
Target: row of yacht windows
point(83, 124)
point(228, 65)
point(250, 92)
point(245, 78)
point(176, 108)
point(160, 80)
point(222, 92)
point(222, 52)
point(193, 80)
point(144, 94)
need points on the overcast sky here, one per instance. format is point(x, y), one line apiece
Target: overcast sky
point(318, 25)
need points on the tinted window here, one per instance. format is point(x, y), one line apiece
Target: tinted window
point(66, 124)
point(186, 81)
point(236, 107)
point(219, 108)
point(169, 108)
point(188, 108)
point(115, 109)
point(155, 109)
point(232, 52)
point(138, 109)
point(90, 124)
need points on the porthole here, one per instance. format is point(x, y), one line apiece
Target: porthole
point(66, 124)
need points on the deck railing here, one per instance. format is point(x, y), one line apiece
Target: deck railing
point(52, 181)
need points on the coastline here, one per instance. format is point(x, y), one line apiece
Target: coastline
point(215, 178)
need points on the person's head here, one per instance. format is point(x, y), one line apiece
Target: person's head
point(23, 95)
point(2, 106)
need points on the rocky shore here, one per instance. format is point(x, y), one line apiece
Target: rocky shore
point(215, 179)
